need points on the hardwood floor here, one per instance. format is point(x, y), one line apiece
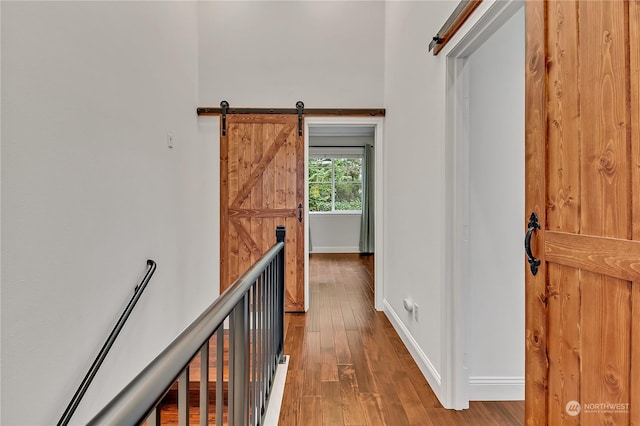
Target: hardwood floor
point(348, 366)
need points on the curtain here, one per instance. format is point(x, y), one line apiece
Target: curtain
point(366, 225)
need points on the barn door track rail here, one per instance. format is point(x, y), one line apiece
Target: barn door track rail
point(299, 110)
point(458, 17)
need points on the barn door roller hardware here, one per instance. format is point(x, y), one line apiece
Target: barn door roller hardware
point(224, 106)
point(458, 17)
point(300, 109)
point(224, 110)
point(360, 112)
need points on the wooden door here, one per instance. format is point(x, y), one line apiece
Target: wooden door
point(261, 187)
point(583, 181)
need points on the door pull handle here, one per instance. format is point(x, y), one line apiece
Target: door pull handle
point(300, 212)
point(531, 227)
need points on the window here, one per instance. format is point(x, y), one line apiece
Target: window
point(335, 183)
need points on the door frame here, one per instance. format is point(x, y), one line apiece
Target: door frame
point(486, 20)
point(377, 123)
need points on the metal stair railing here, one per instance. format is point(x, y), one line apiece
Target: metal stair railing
point(251, 313)
point(88, 378)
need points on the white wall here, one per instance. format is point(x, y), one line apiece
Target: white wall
point(414, 159)
point(90, 191)
point(496, 209)
point(335, 233)
point(274, 53)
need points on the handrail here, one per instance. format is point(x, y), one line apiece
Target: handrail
point(88, 378)
point(134, 402)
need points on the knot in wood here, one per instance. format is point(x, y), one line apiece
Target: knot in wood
point(533, 62)
point(607, 162)
point(611, 379)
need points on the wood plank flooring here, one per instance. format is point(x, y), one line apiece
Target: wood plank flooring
point(348, 366)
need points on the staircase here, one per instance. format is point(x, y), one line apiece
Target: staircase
point(225, 361)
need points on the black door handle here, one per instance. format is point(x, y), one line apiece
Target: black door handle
point(532, 226)
point(300, 212)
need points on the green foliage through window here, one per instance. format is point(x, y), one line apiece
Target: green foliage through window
point(335, 184)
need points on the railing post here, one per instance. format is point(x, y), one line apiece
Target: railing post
point(240, 319)
point(280, 237)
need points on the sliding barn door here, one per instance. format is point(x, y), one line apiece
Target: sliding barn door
point(583, 183)
point(262, 186)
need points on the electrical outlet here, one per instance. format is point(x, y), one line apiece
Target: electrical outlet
point(170, 137)
point(416, 310)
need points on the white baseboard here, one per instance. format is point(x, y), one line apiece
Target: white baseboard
point(317, 249)
point(495, 388)
point(424, 364)
point(272, 415)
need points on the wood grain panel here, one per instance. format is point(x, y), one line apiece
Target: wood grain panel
point(268, 175)
point(248, 177)
point(224, 217)
point(263, 213)
point(343, 353)
point(392, 407)
point(605, 170)
point(535, 200)
point(606, 344)
point(311, 410)
point(413, 408)
point(260, 175)
point(246, 245)
point(290, 409)
point(366, 384)
point(280, 167)
point(614, 257)
point(245, 159)
point(604, 150)
point(634, 77)
point(246, 240)
point(233, 136)
point(564, 342)
point(257, 229)
point(372, 411)
point(311, 385)
point(232, 260)
point(257, 165)
point(331, 403)
point(563, 210)
point(262, 119)
point(352, 410)
point(563, 159)
point(634, 373)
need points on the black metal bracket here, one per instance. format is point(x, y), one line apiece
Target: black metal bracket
point(435, 41)
point(300, 109)
point(531, 227)
point(224, 105)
